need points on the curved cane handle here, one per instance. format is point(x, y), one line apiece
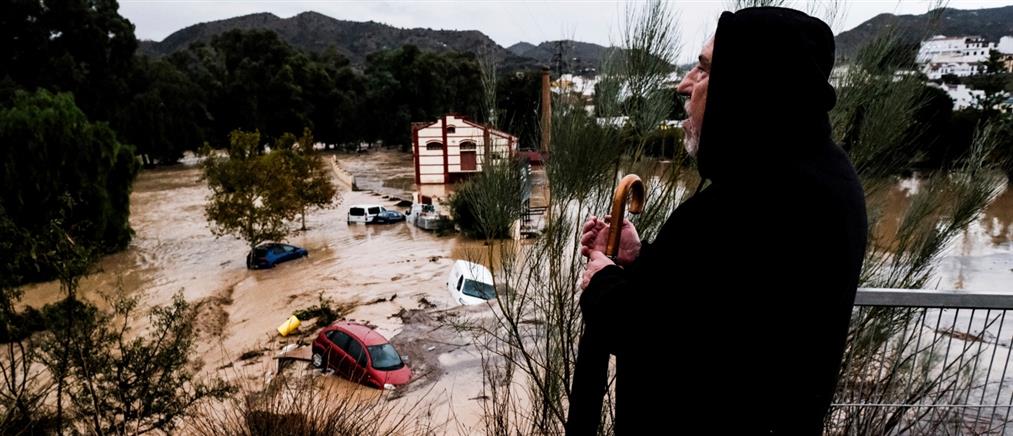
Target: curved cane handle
point(630, 186)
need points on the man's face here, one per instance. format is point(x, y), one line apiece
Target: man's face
point(694, 87)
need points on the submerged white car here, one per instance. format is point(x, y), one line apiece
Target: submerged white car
point(470, 283)
point(373, 214)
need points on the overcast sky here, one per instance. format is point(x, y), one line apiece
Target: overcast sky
point(505, 21)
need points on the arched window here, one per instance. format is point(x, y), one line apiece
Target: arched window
point(468, 145)
point(451, 129)
point(435, 145)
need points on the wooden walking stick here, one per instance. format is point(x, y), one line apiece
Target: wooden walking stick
point(590, 376)
point(630, 186)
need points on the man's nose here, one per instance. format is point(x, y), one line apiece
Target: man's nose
point(685, 87)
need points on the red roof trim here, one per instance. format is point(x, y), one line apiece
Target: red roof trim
point(491, 130)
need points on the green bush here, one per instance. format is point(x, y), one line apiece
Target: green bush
point(486, 205)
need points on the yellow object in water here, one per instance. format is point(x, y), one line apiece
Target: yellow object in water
point(289, 326)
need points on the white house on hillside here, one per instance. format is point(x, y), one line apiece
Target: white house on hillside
point(1005, 45)
point(958, 55)
point(971, 48)
point(454, 147)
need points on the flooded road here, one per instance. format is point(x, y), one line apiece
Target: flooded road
point(173, 251)
point(381, 270)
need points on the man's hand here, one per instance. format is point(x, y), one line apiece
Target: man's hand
point(595, 238)
point(596, 261)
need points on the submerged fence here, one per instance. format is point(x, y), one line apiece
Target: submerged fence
point(926, 362)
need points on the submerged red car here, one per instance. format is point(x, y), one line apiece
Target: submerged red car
point(361, 354)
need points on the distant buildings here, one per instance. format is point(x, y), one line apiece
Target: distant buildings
point(453, 147)
point(569, 83)
point(962, 96)
point(960, 56)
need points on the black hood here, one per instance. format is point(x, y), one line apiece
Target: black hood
point(769, 93)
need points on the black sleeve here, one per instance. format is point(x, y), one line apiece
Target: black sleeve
point(615, 294)
point(598, 301)
point(610, 296)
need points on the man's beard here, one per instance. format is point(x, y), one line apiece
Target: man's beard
point(691, 141)
point(691, 138)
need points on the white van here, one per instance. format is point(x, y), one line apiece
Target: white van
point(470, 283)
point(363, 213)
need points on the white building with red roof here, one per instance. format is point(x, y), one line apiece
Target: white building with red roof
point(453, 148)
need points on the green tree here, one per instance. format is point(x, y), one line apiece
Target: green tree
point(261, 82)
point(204, 68)
point(248, 198)
point(407, 85)
point(56, 164)
point(307, 173)
point(80, 46)
point(122, 383)
point(486, 205)
point(166, 113)
point(23, 391)
point(991, 110)
point(994, 63)
point(336, 94)
point(105, 378)
point(518, 99)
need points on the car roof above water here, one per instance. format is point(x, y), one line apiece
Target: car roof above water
point(361, 331)
point(473, 271)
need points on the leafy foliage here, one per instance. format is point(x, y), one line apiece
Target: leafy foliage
point(121, 383)
point(310, 178)
point(105, 378)
point(249, 196)
point(517, 101)
point(487, 205)
point(83, 47)
point(58, 165)
point(409, 85)
point(254, 194)
point(166, 112)
point(885, 122)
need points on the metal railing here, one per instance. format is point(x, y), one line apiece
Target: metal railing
point(926, 362)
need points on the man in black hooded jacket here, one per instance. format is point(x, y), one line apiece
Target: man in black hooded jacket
point(733, 321)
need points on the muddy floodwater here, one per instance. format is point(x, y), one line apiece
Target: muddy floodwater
point(980, 258)
point(383, 270)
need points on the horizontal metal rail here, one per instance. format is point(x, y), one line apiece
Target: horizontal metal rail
point(926, 362)
point(935, 299)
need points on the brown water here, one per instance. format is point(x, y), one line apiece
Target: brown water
point(978, 259)
point(981, 259)
point(173, 250)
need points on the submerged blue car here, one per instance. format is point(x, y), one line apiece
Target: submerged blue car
point(270, 254)
point(388, 216)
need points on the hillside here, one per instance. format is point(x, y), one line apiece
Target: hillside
point(991, 23)
point(355, 40)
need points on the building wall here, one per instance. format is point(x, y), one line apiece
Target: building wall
point(961, 95)
point(443, 166)
point(960, 56)
point(938, 45)
point(963, 49)
point(429, 163)
point(1005, 45)
point(935, 71)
